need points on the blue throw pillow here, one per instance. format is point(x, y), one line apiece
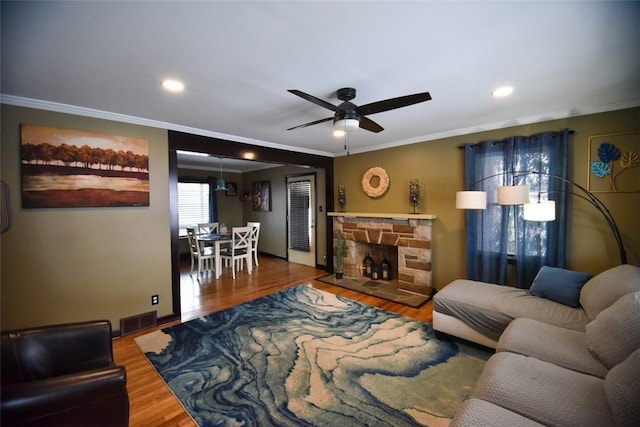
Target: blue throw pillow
point(559, 285)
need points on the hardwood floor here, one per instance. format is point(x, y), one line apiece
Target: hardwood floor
point(151, 401)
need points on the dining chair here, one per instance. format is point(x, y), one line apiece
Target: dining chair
point(204, 254)
point(255, 236)
point(239, 250)
point(208, 228)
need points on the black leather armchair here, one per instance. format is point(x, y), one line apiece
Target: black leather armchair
point(62, 375)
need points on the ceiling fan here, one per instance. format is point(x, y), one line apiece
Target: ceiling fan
point(350, 116)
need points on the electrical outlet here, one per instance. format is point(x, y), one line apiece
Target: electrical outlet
point(154, 299)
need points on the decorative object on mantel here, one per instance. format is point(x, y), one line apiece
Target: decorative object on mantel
point(342, 197)
point(414, 194)
point(383, 182)
point(341, 248)
point(614, 163)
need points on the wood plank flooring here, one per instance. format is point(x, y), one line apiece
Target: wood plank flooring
point(151, 401)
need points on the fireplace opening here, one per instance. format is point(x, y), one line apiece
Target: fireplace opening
point(380, 254)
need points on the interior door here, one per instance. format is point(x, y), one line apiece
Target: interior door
point(301, 219)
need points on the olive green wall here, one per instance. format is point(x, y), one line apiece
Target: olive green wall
point(438, 165)
point(273, 229)
point(66, 265)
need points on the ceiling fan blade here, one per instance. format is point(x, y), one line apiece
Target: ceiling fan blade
point(311, 123)
point(315, 100)
point(393, 103)
point(370, 125)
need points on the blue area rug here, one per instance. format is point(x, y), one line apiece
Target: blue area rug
point(304, 357)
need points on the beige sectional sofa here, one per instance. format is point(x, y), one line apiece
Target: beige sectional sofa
point(554, 366)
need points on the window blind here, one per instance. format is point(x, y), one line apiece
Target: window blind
point(299, 195)
point(193, 205)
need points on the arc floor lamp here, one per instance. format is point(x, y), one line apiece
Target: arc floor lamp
point(542, 210)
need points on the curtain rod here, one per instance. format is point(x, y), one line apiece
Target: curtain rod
point(571, 132)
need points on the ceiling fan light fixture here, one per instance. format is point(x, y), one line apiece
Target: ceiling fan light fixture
point(346, 125)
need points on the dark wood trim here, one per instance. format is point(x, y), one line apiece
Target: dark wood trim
point(239, 150)
point(175, 238)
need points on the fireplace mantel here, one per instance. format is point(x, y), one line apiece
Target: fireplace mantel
point(381, 215)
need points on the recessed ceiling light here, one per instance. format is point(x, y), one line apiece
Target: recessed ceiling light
point(502, 91)
point(173, 85)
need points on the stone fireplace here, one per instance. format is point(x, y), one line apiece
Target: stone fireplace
point(404, 240)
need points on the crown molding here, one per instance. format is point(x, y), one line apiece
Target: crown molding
point(39, 104)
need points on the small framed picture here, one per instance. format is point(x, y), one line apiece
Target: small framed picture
point(232, 189)
point(262, 196)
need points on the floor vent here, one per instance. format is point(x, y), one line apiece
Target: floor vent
point(139, 322)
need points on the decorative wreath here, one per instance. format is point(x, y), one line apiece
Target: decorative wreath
point(382, 187)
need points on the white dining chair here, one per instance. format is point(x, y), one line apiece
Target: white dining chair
point(205, 255)
point(255, 236)
point(208, 228)
point(239, 250)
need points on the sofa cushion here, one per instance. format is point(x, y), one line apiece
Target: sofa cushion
point(614, 334)
point(622, 392)
point(548, 394)
point(607, 287)
point(560, 346)
point(559, 285)
point(489, 308)
point(476, 412)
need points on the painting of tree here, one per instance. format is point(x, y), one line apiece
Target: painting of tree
point(64, 168)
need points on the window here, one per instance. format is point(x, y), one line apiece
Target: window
point(193, 204)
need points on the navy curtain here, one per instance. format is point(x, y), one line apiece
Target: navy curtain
point(500, 231)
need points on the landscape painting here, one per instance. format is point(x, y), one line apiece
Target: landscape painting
point(66, 168)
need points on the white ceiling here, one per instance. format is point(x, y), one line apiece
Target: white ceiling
point(237, 60)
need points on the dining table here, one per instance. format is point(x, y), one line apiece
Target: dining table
point(218, 239)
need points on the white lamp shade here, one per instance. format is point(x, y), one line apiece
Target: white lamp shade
point(513, 195)
point(540, 211)
point(471, 200)
point(346, 125)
